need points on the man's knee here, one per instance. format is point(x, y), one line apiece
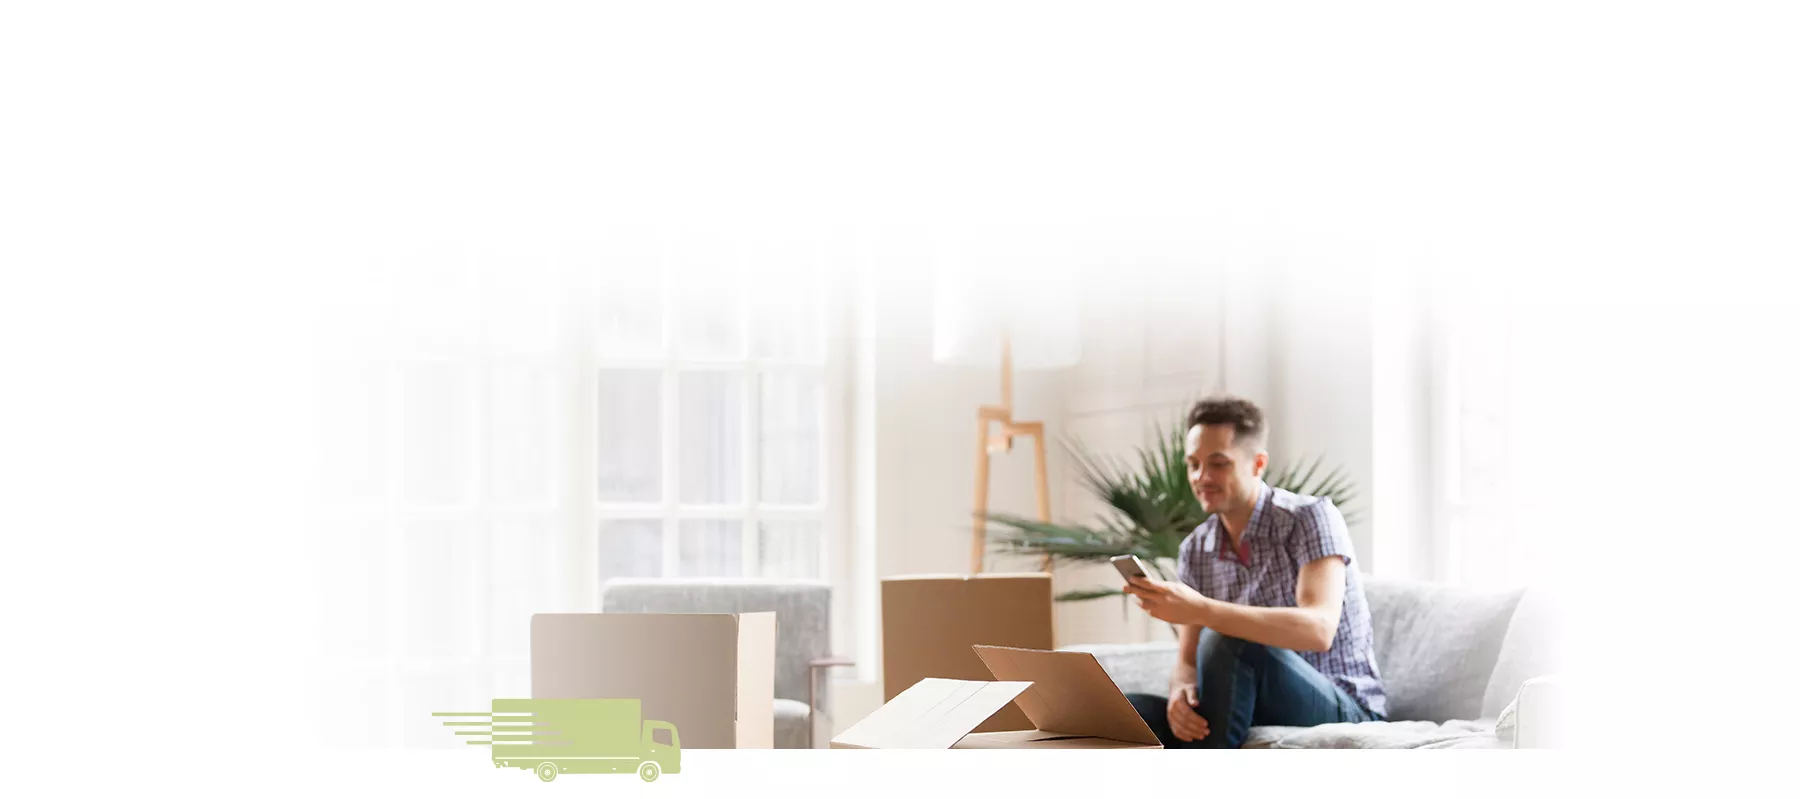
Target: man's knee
point(1151, 708)
point(1155, 712)
point(1218, 650)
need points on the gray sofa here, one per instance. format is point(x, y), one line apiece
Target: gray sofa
point(1462, 669)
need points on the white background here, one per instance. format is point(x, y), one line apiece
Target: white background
point(181, 183)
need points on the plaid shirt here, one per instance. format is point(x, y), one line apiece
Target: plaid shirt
point(1287, 531)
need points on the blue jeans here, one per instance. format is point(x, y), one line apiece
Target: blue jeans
point(1244, 684)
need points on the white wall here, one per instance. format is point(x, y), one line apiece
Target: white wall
point(925, 415)
point(914, 424)
point(1321, 390)
point(1286, 323)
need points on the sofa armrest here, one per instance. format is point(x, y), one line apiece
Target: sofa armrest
point(1135, 668)
point(813, 667)
point(1538, 717)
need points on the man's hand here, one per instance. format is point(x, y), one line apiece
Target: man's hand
point(1173, 602)
point(1184, 717)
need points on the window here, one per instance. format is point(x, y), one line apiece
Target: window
point(710, 385)
point(1478, 543)
point(505, 432)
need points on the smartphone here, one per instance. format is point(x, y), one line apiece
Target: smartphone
point(1129, 566)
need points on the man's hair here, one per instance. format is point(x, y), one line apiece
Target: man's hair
point(1246, 420)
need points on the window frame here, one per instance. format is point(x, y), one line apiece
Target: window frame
point(830, 512)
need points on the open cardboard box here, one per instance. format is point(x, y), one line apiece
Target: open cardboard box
point(1067, 696)
point(712, 675)
point(930, 621)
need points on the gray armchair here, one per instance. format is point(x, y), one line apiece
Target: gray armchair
point(802, 637)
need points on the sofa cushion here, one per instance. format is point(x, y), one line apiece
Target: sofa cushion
point(1265, 737)
point(1136, 668)
point(1532, 648)
point(1436, 646)
point(1377, 735)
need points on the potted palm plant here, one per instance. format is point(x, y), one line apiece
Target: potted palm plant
point(1150, 507)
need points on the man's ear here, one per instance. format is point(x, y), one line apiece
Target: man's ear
point(1259, 464)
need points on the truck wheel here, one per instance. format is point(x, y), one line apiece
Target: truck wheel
point(546, 771)
point(649, 771)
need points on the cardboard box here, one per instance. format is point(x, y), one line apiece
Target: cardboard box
point(1068, 698)
point(712, 675)
point(930, 622)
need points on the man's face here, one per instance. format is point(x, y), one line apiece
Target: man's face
point(1221, 474)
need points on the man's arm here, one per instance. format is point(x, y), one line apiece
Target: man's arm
point(1187, 637)
point(1310, 626)
point(1184, 688)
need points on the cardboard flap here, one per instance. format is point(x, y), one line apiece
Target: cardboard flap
point(756, 680)
point(1070, 693)
point(934, 713)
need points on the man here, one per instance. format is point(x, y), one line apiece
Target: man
point(1273, 625)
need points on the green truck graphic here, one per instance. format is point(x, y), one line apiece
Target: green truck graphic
point(575, 736)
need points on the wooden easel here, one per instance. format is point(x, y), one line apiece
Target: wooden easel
point(986, 445)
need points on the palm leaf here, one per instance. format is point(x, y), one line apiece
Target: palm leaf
point(1096, 593)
